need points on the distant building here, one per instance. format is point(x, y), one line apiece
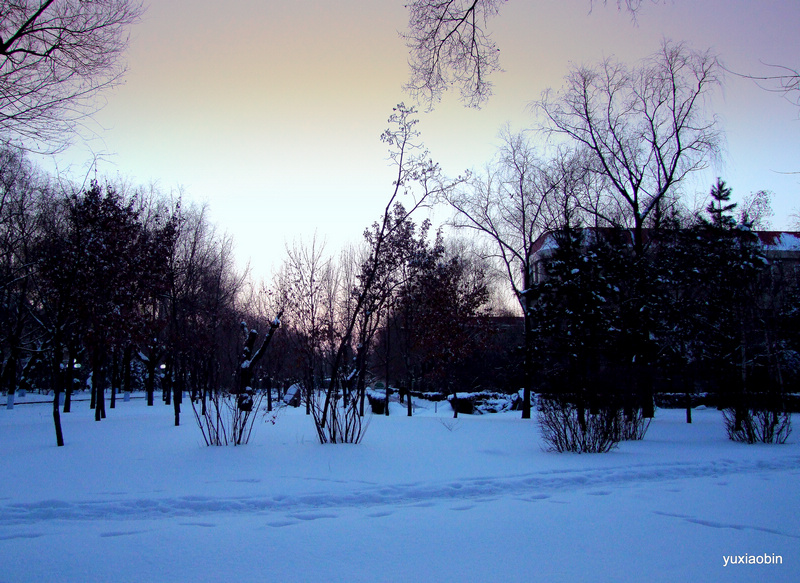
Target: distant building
point(780, 248)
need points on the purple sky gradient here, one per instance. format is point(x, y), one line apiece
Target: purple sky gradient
point(271, 111)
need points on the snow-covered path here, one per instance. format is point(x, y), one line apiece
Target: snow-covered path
point(532, 486)
point(422, 499)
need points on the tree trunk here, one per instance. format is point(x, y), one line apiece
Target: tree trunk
point(57, 418)
point(10, 378)
point(528, 363)
point(176, 399)
point(688, 382)
point(388, 354)
point(166, 383)
point(127, 357)
point(150, 382)
point(114, 377)
point(178, 384)
point(57, 376)
point(361, 390)
point(98, 381)
point(69, 379)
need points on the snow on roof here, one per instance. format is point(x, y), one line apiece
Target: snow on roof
point(779, 240)
point(772, 241)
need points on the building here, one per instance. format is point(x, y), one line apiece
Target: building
point(780, 248)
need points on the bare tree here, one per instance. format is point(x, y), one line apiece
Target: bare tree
point(643, 129)
point(304, 284)
point(756, 210)
point(55, 56)
point(419, 179)
point(450, 44)
point(518, 199)
point(22, 190)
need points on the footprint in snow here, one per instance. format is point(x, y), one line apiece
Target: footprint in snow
point(22, 535)
point(313, 516)
point(121, 533)
point(723, 525)
point(534, 497)
point(282, 523)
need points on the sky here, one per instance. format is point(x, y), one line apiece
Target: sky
point(271, 112)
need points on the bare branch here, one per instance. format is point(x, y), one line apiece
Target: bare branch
point(55, 56)
point(785, 81)
point(449, 44)
point(644, 129)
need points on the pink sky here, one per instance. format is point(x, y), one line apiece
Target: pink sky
point(271, 111)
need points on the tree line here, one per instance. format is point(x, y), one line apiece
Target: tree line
point(121, 288)
point(139, 291)
point(638, 289)
point(698, 309)
point(109, 282)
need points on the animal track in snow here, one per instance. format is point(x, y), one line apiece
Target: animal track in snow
point(714, 524)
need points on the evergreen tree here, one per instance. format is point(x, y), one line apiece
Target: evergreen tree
point(577, 330)
point(738, 342)
point(720, 207)
point(437, 319)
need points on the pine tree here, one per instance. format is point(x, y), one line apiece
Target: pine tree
point(720, 207)
point(737, 340)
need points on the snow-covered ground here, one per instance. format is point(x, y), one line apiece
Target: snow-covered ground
point(427, 498)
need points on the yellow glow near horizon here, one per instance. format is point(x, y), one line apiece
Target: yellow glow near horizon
point(271, 111)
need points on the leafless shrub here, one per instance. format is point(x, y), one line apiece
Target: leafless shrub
point(569, 428)
point(634, 426)
point(343, 422)
point(757, 425)
point(449, 424)
point(227, 418)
